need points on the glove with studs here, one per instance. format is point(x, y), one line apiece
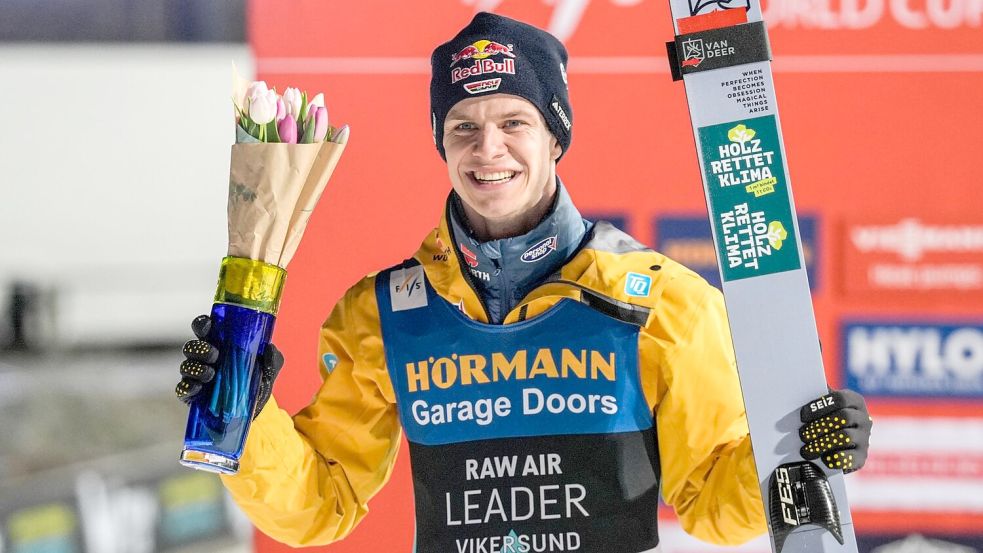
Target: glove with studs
point(198, 369)
point(836, 429)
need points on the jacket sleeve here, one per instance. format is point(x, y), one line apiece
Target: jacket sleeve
point(708, 473)
point(306, 480)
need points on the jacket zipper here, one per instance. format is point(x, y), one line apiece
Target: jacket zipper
point(468, 277)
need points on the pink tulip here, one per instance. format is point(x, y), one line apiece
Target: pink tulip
point(320, 124)
point(287, 128)
point(281, 110)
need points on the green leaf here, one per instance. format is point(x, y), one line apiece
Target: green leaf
point(303, 109)
point(272, 133)
point(308, 135)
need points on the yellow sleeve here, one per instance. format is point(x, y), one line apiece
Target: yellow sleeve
point(307, 480)
point(708, 473)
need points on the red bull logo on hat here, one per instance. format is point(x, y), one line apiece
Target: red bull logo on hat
point(482, 49)
point(481, 52)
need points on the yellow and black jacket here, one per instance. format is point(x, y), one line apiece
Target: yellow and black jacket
point(636, 350)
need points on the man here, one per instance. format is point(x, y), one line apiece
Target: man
point(550, 374)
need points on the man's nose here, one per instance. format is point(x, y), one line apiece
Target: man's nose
point(491, 143)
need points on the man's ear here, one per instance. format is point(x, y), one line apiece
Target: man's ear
point(555, 149)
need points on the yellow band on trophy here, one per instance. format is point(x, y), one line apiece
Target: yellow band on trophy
point(250, 283)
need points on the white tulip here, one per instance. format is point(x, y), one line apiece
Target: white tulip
point(292, 98)
point(262, 108)
point(257, 88)
point(341, 137)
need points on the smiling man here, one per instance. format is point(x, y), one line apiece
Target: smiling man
point(553, 377)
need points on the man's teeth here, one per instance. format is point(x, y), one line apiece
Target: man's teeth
point(492, 177)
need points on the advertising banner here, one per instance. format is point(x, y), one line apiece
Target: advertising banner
point(876, 97)
point(938, 258)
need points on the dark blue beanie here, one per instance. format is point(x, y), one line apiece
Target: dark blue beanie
point(498, 55)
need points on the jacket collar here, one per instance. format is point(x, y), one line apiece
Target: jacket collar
point(445, 264)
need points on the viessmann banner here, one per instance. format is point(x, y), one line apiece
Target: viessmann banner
point(876, 99)
point(932, 256)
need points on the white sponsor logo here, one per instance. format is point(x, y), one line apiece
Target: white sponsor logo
point(919, 358)
point(911, 239)
point(561, 114)
point(789, 512)
point(406, 289)
point(916, 543)
point(539, 250)
point(486, 85)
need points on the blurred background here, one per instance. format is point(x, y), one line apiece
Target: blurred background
point(114, 162)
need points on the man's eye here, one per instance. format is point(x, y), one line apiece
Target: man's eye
point(465, 127)
point(514, 123)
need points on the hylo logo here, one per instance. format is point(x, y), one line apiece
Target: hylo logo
point(638, 285)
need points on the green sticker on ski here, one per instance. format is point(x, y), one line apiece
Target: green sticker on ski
point(749, 201)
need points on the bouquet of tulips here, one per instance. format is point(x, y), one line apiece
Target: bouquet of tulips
point(284, 154)
point(290, 119)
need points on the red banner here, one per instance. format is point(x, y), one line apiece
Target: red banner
point(878, 98)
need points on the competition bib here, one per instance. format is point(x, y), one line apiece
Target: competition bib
point(534, 436)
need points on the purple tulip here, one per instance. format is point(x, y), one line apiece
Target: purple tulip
point(320, 124)
point(281, 110)
point(287, 128)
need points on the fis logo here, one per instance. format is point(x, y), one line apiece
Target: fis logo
point(638, 285)
point(480, 50)
point(406, 289)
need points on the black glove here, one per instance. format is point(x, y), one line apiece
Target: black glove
point(198, 370)
point(837, 429)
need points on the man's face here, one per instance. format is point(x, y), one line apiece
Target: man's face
point(500, 156)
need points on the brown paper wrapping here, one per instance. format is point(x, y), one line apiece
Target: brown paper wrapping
point(273, 189)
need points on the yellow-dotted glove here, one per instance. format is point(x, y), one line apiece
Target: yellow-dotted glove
point(197, 370)
point(836, 429)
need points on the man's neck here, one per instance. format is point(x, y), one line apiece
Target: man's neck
point(485, 229)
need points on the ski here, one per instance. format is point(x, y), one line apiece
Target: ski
point(722, 55)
